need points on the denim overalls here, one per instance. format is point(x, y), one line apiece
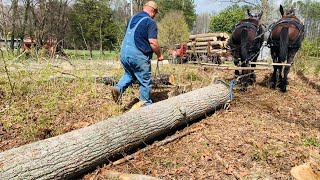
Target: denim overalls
point(137, 66)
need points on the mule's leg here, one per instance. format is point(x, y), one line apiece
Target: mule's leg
point(244, 80)
point(291, 54)
point(283, 55)
point(273, 83)
point(274, 54)
point(236, 62)
point(280, 77)
point(252, 78)
point(244, 56)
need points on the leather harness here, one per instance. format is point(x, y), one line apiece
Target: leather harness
point(297, 43)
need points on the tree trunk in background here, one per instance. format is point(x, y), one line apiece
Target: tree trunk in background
point(22, 33)
point(76, 152)
point(14, 17)
point(266, 12)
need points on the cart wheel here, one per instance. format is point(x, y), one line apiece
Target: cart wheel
point(203, 59)
point(170, 59)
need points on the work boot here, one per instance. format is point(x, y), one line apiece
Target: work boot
point(115, 94)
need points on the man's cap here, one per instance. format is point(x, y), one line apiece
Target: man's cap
point(152, 4)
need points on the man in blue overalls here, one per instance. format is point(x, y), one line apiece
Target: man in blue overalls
point(138, 45)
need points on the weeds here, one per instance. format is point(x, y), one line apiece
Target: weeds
point(265, 153)
point(317, 70)
point(311, 141)
point(48, 102)
point(308, 59)
point(167, 163)
point(7, 73)
point(193, 76)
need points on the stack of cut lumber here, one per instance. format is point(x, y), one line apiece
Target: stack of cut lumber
point(210, 43)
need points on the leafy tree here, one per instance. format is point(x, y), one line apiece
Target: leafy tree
point(187, 6)
point(121, 15)
point(92, 24)
point(227, 19)
point(173, 29)
point(264, 5)
point(310, 13)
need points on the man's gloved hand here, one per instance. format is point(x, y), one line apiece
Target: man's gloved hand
point(160, 58)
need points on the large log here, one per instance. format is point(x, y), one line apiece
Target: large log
point(309, 170)
point(76, 152)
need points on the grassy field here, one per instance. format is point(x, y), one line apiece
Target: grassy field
point(96, 55)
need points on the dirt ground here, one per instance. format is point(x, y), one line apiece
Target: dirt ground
point(262, 135)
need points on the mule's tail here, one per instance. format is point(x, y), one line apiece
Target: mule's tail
point(244, 44)
point(284, 42)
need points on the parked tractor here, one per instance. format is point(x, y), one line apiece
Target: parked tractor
point(178, 55)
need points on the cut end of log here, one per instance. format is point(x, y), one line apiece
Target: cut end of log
point(304, 172)
point(137, 105)
point(172, 79)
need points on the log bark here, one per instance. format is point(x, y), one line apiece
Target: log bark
point(76, 152)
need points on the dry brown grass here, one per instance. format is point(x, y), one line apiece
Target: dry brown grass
point(262, 135)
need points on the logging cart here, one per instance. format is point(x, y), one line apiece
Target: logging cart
point(201, 48)
point(208, 48)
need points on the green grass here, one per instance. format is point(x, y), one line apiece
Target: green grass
point(311, 141)
point(41, 55)
point(85, 54)
point(265, 152)
point(308, 57)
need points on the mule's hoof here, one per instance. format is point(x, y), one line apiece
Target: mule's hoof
point(272, 85)
point(244, 86)
point(251, 81)
point(244, 89)
point(283, 89)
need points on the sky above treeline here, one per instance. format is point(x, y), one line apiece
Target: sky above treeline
point(215, 6)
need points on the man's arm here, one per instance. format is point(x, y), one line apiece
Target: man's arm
point(156, 48)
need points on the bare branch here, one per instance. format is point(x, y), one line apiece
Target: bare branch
point(7, 73)
point(257, 4)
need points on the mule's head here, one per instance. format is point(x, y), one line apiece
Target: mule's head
point(290, 12)
point(254, 15)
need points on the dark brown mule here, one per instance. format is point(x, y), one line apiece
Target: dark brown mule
point(245, 43)
point(285, 40)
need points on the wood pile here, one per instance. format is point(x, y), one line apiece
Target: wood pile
point(208, 43)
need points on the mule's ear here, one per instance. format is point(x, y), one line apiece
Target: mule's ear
point(260, 14)
point(248, 12)
point(281, 10)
